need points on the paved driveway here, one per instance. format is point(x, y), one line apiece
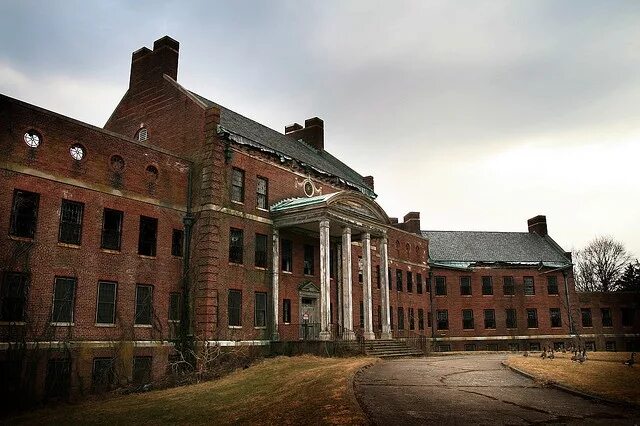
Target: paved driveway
point(471, 389)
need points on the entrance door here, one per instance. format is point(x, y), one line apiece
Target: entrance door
point(309, 313)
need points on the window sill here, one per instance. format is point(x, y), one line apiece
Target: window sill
point(261, 268)
point(13, 323)
point(67, 245)
point(238, 202)
point(287, 272)
point(62, 324)
point(262, 210)
point(24, 239)
point(260, 328)
point(311, 276)
point(236, 264)
point(553, 294)
point(487, 294)
point(104, 325)
point(142, 325)
point(146, 256)
point(111, 251)
point(466, 295)
point(173, 321)
point(235, 327)
point(177, 257)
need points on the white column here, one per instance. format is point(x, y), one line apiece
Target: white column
point(339, 281)
point(366, 286)
point(347, 303)
point(384, 289)
point(275, 276)
point(325, 284)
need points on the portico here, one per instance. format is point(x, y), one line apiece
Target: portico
point(341, 219)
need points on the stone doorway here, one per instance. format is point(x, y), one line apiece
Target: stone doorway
point(309, 311)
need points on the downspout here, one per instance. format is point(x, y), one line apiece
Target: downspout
point(433, 318)
point(565, 275)
point(188, 221)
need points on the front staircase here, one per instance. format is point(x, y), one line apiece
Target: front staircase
point(390, 349)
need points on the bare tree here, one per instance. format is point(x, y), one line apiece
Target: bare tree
point(600, 264)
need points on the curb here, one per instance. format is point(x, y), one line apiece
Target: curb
point(571, 390)
point(356, 395)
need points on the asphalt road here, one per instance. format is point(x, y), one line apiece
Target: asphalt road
point(473, 389)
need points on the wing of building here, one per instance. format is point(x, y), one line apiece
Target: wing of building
point(184, 219)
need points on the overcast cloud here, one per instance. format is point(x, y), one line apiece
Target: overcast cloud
point(478, 114)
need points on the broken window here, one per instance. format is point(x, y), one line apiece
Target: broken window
point(467, 319)
point(287, 256)
point(106, 311)
point(175, 300)
point(111, 229)
point(261, 251)
point(24, 213)
point(487, 286)
point(508, 288)
point(237, 185)
point(144, 304)
point(443, 319)
point(262, 187)
point(235, 308)
point(556, 319)
point(63, 298)
point(529, 288)
point(260, 313)
point(552, 284)
point(532, 318)
point(32, 139)
point(58, 378)
point(465, 286)
point(148, 236)
point(70, 231)
point(308, 259)
point(77, 151)
point(177, 242)
point(512, 319)
point(489, 318)
point(13, 296)
point(236, 245)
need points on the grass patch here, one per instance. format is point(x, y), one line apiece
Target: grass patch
point(603, 373)
point(296, 390)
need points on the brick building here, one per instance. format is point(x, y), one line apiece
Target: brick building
point(182, 216)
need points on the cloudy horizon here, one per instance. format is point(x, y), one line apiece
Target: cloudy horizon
point(479, 117)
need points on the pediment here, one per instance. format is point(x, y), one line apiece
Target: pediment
point(308, 286)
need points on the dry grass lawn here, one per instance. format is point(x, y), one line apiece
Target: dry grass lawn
point(602, 374)
point(296, 390)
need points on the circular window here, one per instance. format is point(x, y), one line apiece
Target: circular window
point(152, 172)
point(117, 163)
point(77, 151)
point(32, 139)
point(308, 188)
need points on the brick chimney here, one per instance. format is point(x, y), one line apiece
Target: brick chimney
point(368, 180)
point(412, 222)
point(312, 132)
point(153, 64)
point(538, 225)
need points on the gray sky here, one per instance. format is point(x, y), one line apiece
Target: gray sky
point(478, 114)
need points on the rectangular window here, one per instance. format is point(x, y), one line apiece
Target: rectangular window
point(142, 369)
point(534, 346)
point(308, 259)
point(237, 185)
point(24, 214)
point(487, 286)
point(378, 278)
point(287, 256)
point(443, 319)
point(412, 323)
point(260, 315)
point(144, 304)
point(262, 191)
point(378, 326)
point(361, 314)
point(586, 317)
point(286, 311)
point(607, 320)
point(235, 308)
point(429, 320)
point(390, 276)
point(610, 346)
point(175, 306)
point(441, 286)
point(419, 283)
point(236, 245)
point(360, 264)
point(409, 282)
point(399, 279)
point(532, 318)
point(469, 347)
point(552, 284)
point(512, 318)
point(63, 298)
point(106, 309)
point(391, 317)
point(261, 251)
point(420, 319)
point(13, 296)
point(400, 318)
point(111, 229)
point(489, 318)
point(508, 287)
point(627, 317)
point(103, 374)
point(556, 319)
point(467, 319)
point(177, 242)
point(465, 286)
point(70, 230)
point(513, 347)
point(58, 378)
point(148, 236)
point(529, 288)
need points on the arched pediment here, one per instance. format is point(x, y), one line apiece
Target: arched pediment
point(308, 287)
point(360, 204)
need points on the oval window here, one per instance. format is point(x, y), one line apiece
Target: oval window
point(32, 139)
point(77, 152)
